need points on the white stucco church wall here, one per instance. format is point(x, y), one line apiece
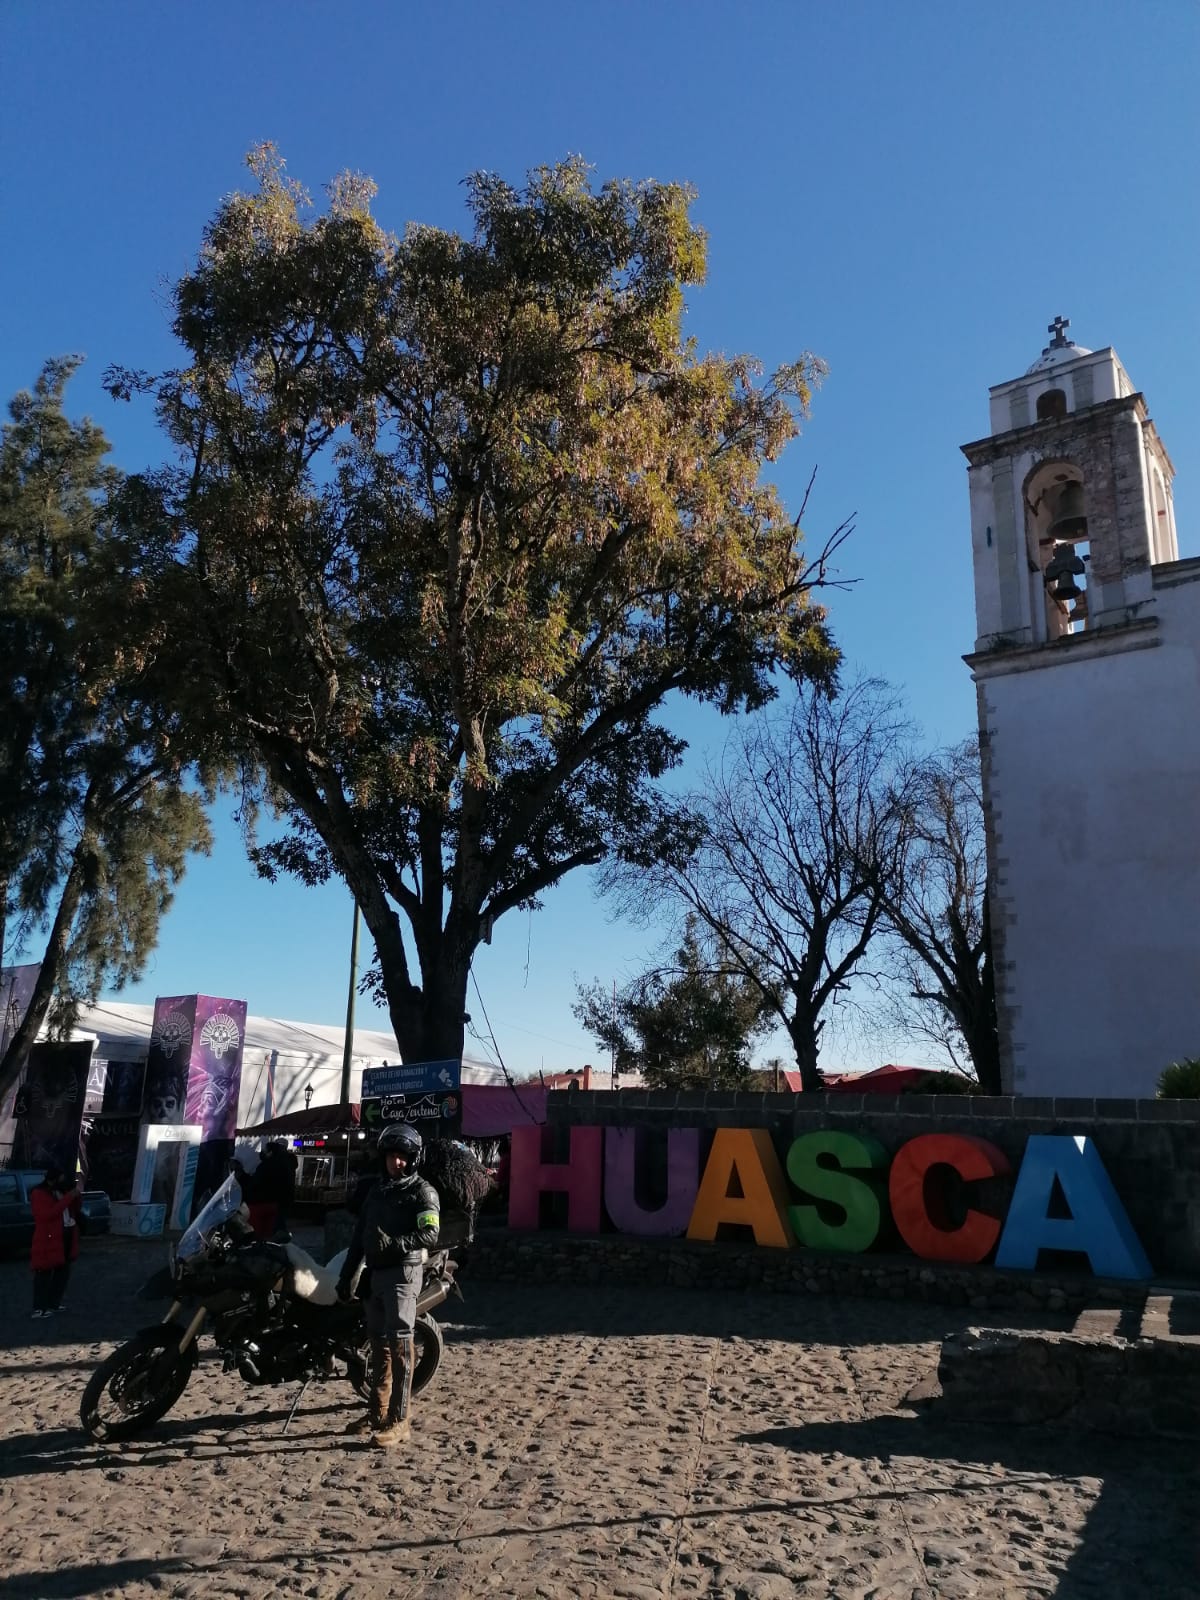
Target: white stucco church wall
point(1087, 665)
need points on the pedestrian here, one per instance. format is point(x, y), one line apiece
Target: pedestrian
point(56, 1203)
point(397, 1223)
point(277, 1187)
point(246, 1166)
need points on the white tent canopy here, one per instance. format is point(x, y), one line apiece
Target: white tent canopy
point(304, 1053)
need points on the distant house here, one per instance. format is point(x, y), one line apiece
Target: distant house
point(889, 1079)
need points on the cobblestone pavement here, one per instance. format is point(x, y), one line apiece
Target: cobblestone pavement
point(577, 1444)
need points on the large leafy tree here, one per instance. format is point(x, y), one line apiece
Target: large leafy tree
point(687, 1025)
point(451, 518)
point(95, 820)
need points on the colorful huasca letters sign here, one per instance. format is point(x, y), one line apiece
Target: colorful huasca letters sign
point(840, 1191)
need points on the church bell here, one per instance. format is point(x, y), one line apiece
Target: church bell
point(1070, 517)
point(1061, 571)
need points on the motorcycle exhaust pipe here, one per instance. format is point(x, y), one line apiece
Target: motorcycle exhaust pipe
point(433, 1294)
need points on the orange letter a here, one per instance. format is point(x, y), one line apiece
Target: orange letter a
point(763, 1202)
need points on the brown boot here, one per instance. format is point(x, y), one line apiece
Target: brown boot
point(379, 1390)
point(398, 1424)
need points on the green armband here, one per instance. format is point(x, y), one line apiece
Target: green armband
point(428, 1219)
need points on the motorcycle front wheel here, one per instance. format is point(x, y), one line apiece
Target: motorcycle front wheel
point(137, 1384)
point(427, 1348)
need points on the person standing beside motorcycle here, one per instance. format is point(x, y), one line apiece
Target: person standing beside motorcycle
point(397, 1222)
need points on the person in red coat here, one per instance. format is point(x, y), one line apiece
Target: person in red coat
point(55, 1203)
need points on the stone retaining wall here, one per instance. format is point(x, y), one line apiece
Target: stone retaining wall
point(578, 1259)
point(1002, 1376)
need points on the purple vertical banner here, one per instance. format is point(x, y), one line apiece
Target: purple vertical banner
point(169, 1060)
point(214, 1082)
point(215, 1074)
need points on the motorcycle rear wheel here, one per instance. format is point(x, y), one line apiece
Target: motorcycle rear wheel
point(428, 1346)
point(137, 1385)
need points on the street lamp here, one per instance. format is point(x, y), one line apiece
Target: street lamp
point(308, 1094)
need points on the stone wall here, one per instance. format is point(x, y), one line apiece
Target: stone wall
point(727, 1268)
point(1150, 1148)
point(1147, 1388)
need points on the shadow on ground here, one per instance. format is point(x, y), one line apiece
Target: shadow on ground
point(1143, 1520)
point(511, 1311)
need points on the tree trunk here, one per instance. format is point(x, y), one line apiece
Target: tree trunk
point(430, 1022)
point(983, 1040)
point(22, 1041)
point(804, 1042)
point(984, 1048)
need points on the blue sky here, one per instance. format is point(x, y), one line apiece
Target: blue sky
point(912, 192)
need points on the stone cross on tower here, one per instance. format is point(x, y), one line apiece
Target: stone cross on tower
point(1058, 328)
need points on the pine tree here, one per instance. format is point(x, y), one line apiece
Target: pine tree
point(95, 819)
point(688, 1025)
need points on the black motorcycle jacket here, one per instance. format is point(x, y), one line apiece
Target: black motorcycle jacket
point(397, 1221)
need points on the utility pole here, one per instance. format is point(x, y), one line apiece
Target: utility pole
point(348, 1048)
point(613, 1053)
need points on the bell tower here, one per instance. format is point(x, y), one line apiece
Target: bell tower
point(1070, 500)
point(1088, 635)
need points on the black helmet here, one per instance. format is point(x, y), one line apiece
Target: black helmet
point(403, 1139)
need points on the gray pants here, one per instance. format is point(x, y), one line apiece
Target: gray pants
point(391, 1313)
point(391, 1306)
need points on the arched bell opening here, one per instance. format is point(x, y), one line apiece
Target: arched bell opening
point(1052, 405)
point(1057, 533)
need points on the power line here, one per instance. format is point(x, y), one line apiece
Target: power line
point(516, 1027)
point(508, 1077)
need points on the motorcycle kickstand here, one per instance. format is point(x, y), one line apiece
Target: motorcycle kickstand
point(295, 1405)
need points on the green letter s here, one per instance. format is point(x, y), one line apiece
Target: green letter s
point(859, 1198)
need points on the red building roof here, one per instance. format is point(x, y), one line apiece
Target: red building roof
point(883, 1080)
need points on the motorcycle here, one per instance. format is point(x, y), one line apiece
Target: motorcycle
point(273, 1314)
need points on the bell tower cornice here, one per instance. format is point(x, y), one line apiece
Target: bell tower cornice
point(994, 445)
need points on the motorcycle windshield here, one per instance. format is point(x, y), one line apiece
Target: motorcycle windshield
point(218, 1210)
